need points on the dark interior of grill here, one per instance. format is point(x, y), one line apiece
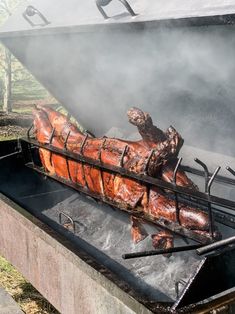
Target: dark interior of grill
point(103, 233)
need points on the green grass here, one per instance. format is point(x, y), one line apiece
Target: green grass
point(29, 299)
point(8, 138)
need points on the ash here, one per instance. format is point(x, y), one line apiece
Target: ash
point(107, 230)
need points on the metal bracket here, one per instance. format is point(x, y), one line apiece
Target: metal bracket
point(31, 11)
point(102, 3)
point(72, 223)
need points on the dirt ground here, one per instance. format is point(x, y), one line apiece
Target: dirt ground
point(14, 125)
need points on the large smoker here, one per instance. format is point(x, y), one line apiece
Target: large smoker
point(98, 59)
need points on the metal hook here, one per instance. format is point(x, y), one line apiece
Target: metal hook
point(176, 169)
point(146, 168)
point(83, 144)
point(212, 180)
point(206, 172)
point(102, 3)
point(122, 156)
point(176, 195)
point(208, 191)
point(51, 136)
point(69, 218)
point(31, 11)
point(66, 140)
point(177, 287)
point(29, 130)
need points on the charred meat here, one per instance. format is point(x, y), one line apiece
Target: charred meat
point(155, 154)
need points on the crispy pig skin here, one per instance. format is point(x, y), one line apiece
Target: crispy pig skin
point(162, 240)
point(138, 233)
point(162, 207)
point(127, 191)
point(163, 149)
point(181, 178)
point(43, 132)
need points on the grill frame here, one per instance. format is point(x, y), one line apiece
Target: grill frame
point(15, 254)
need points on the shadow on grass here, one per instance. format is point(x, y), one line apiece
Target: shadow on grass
point(30, 295)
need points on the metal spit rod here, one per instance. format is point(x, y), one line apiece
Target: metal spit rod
point(9, 155)
point(161, 251)
point(143, 178)
point(215, 246)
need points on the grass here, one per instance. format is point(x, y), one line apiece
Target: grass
point(29, 299)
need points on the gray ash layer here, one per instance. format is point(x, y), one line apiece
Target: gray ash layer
point(108, 231)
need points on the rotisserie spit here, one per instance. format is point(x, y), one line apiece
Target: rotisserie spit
point(155, 154)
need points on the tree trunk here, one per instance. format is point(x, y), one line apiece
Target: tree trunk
point(7, 93)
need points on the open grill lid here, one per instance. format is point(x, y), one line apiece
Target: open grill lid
point(98, 69)
point(84, 12)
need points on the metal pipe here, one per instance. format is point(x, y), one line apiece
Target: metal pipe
point(219, 178)
point(231, 170)
point(176, 194)
point(215, 246)
point(161, 251)
point(208, 191)
point(206, 172)
point(12, 154)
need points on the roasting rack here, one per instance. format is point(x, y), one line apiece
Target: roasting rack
point(204, 200)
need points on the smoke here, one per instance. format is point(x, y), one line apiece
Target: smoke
point(182, 77)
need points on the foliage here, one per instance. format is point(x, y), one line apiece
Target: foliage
point(29, 299)
point(23, 84)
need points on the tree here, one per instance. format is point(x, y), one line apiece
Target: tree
point(6, 8)
point(7, 81)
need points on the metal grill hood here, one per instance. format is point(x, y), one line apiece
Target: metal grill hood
point(175, 59)
point(84, 12)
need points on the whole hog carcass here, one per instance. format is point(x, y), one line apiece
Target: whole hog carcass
point(155, 155)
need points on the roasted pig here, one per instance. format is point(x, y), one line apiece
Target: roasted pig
point(155, 155)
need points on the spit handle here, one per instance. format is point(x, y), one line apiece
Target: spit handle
point(102, 3)
point(31, 11)
point(215, 246)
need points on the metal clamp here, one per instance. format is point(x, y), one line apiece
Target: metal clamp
point(31, 11)
point(102, 3)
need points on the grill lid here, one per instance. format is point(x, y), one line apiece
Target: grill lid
point(181, 76)
point(84, 12)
